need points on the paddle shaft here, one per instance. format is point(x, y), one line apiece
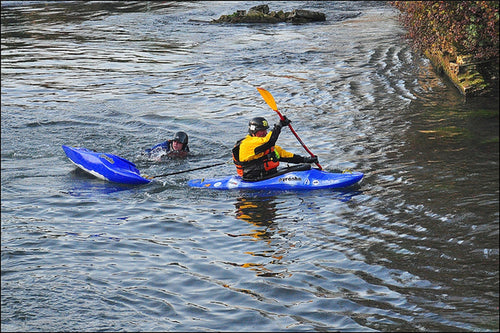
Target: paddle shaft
point(183, 171)
point(270, 101)
point(297, 136)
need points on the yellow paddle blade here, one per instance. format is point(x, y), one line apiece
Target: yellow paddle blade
point(268, 98)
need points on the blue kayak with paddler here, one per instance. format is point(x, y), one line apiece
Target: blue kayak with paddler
point(299, 177)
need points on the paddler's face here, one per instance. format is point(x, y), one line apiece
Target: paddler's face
point(177, 146)
point(261, 133)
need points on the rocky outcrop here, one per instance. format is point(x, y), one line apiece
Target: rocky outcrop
point(261, 14)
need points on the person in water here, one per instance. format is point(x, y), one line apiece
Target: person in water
point(257, 156)
point(177, 147)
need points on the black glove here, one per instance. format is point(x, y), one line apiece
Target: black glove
point(285, 121)
point(312, 159)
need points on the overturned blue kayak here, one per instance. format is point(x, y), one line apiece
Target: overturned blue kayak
point(105, 166)
point(310, 179)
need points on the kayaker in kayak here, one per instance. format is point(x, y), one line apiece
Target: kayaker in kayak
point(177, 147)
point(257, 156)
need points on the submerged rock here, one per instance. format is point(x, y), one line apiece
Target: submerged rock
point(261, 14)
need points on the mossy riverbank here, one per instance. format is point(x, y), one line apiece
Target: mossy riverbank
point(470, 77)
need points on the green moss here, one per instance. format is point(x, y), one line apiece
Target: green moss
point(490, 140)
point(481, 113)
point(469, 82)
point(452, 131)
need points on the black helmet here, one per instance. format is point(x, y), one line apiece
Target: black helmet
point(257, 124)
point(181, 137)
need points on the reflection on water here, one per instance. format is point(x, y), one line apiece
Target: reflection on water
point(85, 184)
point(269, 227)
point(260, 212)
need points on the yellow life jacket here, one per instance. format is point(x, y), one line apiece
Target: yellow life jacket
point(263, 165)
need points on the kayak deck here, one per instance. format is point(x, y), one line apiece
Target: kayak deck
point(311, 179)
point(105, 166)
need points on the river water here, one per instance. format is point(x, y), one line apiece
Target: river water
point(414, 247)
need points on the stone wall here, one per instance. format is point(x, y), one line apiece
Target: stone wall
point(471, 78)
